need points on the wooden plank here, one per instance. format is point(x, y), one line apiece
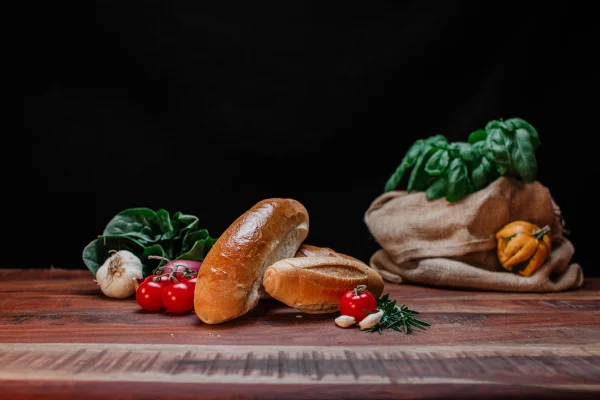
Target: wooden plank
point(46, 302)
point(257, 329)
point(90, 390)
point(36, 315)
point(480, 344)
point(570, 367)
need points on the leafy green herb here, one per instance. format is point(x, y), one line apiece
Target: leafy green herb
point(400, 319)
point(454, 170)
point(147, 233)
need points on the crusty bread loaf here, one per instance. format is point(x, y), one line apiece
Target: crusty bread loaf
point(314, 285)
point(230, 279)
point(306, 250)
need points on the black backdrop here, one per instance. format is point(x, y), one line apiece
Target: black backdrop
point(207, 109)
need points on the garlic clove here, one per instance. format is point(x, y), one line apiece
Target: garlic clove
point(371, 320)
point(345, 321)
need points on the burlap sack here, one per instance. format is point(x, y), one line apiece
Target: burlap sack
point(454, 244)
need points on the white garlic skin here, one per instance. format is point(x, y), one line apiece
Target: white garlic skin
point(371, 320)
point(117, 276)
point(345, 321)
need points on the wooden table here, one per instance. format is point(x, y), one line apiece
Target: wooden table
point(61, 338)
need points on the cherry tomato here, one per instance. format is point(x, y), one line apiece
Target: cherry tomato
point(162, 279)
point(354, 302)
point(149, 295)
point(178, 298)
point(191, 281)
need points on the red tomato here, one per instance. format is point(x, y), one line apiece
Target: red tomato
point(162, 279)
point(178, 298)
point(149, 295)
point(191, 281)
point(354, 302)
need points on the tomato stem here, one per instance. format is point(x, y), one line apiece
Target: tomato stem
point(359, 289)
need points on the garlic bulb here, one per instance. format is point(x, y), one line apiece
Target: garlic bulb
point(117, 276)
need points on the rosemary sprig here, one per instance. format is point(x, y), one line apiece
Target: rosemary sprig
point(400, 319)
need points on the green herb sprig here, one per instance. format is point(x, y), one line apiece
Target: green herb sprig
point(454, 170)
point(400, 319)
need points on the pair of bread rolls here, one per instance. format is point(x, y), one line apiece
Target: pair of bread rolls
point(261, 253)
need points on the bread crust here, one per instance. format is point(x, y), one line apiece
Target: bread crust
point(307, 250)
point(314, 285)
point(229, 282)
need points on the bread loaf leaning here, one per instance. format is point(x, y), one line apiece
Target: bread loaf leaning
point(314, 285)
point(230, 280)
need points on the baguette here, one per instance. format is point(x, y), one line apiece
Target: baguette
point(314, 285)
point(230, 281)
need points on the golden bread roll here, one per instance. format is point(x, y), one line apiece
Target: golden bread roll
point(314, 285)
point(229, 282)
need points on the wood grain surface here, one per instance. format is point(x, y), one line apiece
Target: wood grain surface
point(61, 338)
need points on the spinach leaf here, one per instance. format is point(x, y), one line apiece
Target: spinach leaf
point(407, 162)
point(437, 189)
point(419, 177)
point(98, 250)
point(199, 250)
point(138, 223)
point(477, 136)
point(145, 232)
point(457, 180)
point(164, 222)
point(438, 162)
point(523, 156)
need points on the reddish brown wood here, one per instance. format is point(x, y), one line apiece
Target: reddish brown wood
point(61, 306)
point(40, 390)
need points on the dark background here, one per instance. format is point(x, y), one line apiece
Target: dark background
point(210, 109)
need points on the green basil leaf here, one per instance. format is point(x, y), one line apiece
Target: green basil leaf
point(518, 123)
point(477, 136)
point(199, 250)
point(457, 180)
point(497, 146)
point(523, 156)
point(413, 154)
point(479, 177)
point(496, 124)
point(487, 166)
point(463, 151)
point(438, 189)
point(419, 177)
point(437, 140)
point(98, 250)
point(138, 223)
point(407, 162)
point(437, 164)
